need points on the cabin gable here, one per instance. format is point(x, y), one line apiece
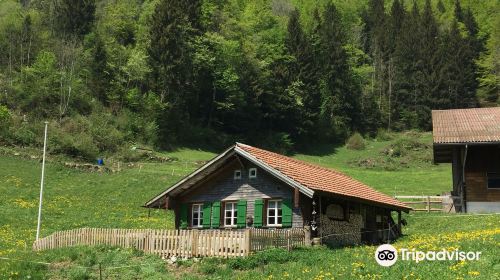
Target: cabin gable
point(224, 187)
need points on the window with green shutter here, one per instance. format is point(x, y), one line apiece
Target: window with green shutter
point(184, 216)
point(216, 214)
point(286, 211)
point(258, 211)
point(207, 211)
point(241, 214)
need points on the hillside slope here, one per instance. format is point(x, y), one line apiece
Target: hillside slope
point(76, 198)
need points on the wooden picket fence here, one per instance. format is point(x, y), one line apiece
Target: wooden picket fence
point(180, 243)
point(428, 203)
point(268, 238)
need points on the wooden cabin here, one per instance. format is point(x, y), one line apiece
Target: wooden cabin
point(250, 187)
point(469, 139)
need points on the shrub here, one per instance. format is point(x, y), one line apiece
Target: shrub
point(5, 122)
point(76, 145)
point(71, 137)
point(106, 137)
point(356, 142)
point(24, 135)
point(280, 142)
point(384, 135)
point(4, 115)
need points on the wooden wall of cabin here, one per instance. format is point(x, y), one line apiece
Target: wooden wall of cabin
point(376, 222)
point(457, 169)
point(223, 187)
point(480, 161)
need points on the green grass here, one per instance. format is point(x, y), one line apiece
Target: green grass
point(412, 174)
point(75, 198)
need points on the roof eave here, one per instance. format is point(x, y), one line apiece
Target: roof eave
point(466, 143)
point(185, 179)
point(386, 205)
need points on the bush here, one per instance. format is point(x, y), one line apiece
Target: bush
point(280, 142)
point(106, 137)
point(356, 142)
point(24, 135)
point(5, 123)
point(405, 145)
point(75, 145)
point(384, 135)
point(71, 137)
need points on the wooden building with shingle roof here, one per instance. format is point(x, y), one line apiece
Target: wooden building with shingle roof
point(247, 186)
point(469, 139)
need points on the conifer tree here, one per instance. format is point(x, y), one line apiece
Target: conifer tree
point(99, 71)
point(75, 17)
point(459, 15)
point(440, 7)
point(428, 82)
point(303, 75)
point(340, 96)
point(457, 73)
point(170, 51)
point(408, 71)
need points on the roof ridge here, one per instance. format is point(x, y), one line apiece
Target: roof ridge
point(301, 162)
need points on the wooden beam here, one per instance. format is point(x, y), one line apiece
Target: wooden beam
point(240, 162)
point(167, 202)
point(296, 197)
point(321, 229)
point(399, 223)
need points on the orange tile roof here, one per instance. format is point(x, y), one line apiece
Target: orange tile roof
point(478, 125)
point(320, 178)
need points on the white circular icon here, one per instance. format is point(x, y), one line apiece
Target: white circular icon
point(386, 255)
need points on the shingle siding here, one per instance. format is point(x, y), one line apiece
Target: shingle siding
point(226, 188)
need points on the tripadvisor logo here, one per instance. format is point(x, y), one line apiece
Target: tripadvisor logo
point(387, 255)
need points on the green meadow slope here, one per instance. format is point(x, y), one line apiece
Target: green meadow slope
point(398, 164)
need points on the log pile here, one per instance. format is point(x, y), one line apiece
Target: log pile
point(341, 233)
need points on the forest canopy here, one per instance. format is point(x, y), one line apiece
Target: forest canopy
point(282, 74)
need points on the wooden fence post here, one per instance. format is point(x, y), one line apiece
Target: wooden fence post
point(248, 241)
point(307, 235)
point(194, 243)
point(428, 204)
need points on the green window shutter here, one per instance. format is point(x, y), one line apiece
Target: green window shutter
point(207, 211)
point(286, 211)
point(257, 215)
point(184, 216)
point(216, 214)
point(242, 213)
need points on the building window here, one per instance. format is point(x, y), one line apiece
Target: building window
point(493, 180)
point(237, 174)
point(252, 173)
point(230, 214)
point(197, 215)
point(274, 215)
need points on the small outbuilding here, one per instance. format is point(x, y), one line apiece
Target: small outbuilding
point(250, 187)
point(469, 139)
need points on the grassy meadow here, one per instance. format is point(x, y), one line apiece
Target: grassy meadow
point(399, 164)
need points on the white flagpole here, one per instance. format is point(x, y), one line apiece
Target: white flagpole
point(41, 184)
